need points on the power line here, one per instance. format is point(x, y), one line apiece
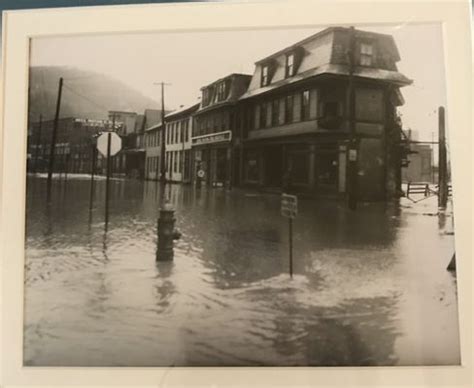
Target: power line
point(85, 98)
point(83, 77)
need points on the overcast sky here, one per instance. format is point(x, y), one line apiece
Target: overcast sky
point(189, 61)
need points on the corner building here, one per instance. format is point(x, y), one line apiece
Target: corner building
point(295, 116)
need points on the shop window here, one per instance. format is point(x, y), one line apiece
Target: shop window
point(299, 167)
point(252, 173)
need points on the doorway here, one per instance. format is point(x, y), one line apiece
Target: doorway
point(273, 166)
point(326, 170)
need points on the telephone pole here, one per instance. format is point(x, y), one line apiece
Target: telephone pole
point(442, 161)
point(162, 138)
point(53, 139)
point(352, 150)
point(38, 143)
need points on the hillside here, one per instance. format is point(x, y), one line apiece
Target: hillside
point(86, 94)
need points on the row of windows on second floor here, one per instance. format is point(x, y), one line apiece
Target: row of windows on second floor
point(327, 105)
point(178, 131)
point(216, 121)
point(152, 139)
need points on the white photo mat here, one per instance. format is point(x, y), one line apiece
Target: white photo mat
point(20, 26)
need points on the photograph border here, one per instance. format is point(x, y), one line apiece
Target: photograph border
point(20, 26)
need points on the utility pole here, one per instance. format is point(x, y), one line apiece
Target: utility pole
point(53, 139)
point(38, 143)
point(93, 167)
point(163, 145)
point(442, 161)
point(352, 150)
point(432, 158)
point(182, 159)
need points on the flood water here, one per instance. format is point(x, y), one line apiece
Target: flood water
point(370, 287)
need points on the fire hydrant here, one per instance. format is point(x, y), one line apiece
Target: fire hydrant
point(167, 233)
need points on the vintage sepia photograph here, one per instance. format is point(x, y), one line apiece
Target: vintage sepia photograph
point(240, 197)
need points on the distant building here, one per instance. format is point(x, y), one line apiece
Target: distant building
point(215, 123)
point(130, 161)
point(420, 168)
point(153, 152)
point(74, 143)
point(179, 126)
point(295, 116)
point(127, 119)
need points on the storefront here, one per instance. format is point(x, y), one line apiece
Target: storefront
point(307, 166)
point(212, 159)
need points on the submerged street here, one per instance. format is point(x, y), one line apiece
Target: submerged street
point(370, 287)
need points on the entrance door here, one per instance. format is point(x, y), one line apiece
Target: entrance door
point(326, 171)
point(273, 166)
point(221, 166)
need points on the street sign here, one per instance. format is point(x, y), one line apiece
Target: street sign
point(289, 205)
point(115, 143)
point(352, 155)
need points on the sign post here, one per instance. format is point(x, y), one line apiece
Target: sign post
point(108, 144)
point(289, 209)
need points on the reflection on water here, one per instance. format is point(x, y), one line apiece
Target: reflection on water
point(370, 287)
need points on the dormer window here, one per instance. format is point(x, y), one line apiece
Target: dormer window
point(290, 65)
point(366, 54)
point(221, 91)
point(265, 75)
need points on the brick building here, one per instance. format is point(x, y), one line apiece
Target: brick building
point(74, 142)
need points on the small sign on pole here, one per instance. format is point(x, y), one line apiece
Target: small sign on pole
point(289, 205)
point(108, 144)
point(289, 209)
point(352, 155)
point(115, 143)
